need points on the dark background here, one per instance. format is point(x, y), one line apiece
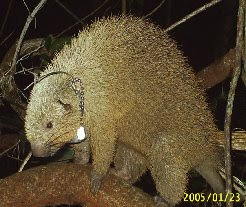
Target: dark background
point(203, 39)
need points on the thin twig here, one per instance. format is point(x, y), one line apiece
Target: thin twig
point(83, 18)
point(6, 38)
point(6, 17)
point(30, 85)
point(68, 11)
point(203, 8)
point(5, 151)
point(237, 184)
point(154, 10)
point(27, 55)
point(25, 161)
point(26, 6)
point(230, 101)
point(14, 158)
point(123, 7)
point(27, 70)
point(28, 21)
point(23, 95)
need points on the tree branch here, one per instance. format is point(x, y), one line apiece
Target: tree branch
point(69, 12)
point(154, 10)
point(28, 21)
point(93, 12)
point(230, 101)
point(203, 8)
point(217, 71)
point(67, 184)
point(8, 87)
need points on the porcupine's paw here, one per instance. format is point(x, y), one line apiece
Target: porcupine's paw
point(161, 202)
point(96, 180)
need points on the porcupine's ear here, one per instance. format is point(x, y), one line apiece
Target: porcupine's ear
point(67, 107)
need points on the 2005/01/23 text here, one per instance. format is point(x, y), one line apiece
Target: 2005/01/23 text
point(215, 197)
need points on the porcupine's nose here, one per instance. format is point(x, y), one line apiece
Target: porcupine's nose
point(38, 150)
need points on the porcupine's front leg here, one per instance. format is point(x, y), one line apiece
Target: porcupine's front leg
point(82, 152)
point(103, 141)
point(96, 181)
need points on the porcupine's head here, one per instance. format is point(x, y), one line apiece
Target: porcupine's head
point(53, 116)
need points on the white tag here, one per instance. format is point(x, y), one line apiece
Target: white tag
point(81, 133)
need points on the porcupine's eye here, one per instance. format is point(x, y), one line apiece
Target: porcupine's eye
point(49, 125)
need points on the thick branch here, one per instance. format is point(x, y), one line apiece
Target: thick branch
point(238, 140)
point(67, 184)
point(217, 71)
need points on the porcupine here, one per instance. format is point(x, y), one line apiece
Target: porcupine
point(139, 91)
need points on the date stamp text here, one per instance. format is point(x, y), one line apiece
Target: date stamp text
point(215, 197)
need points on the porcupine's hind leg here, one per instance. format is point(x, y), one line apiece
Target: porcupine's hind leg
point(129, 164)
point(171, 182)
point(169, 174)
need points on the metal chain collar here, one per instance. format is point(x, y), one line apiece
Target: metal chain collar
point(76, 85)
point(78, 88)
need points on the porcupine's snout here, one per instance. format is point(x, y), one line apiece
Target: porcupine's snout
point(39, 150)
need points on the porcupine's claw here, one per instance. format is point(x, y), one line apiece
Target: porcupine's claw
point(96, 180)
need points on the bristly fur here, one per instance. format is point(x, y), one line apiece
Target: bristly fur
point(138, 89)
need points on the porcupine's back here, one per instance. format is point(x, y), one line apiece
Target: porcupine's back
point(134, 72)
point(141, 77)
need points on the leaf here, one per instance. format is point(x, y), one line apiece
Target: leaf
point(53, 44)
point(45, 59)
point(48, 42)
point(59, 43)
point(67, 155)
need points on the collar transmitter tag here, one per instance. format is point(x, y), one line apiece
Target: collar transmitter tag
point(81, 133)
point(80, 136)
